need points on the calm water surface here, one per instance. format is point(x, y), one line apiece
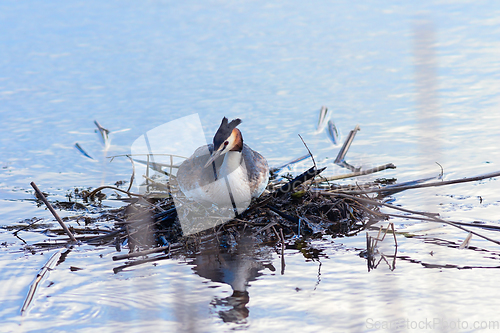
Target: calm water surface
point(134, 66)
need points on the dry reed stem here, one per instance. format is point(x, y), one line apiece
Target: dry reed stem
point(356, 174)
point(396, 188)
point(54, 213)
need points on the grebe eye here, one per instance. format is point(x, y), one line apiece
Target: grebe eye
point(226, 143)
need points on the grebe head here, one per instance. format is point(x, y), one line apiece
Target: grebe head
point(227, 138)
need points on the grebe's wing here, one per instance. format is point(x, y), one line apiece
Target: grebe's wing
point(257, 170)
point(193, 174)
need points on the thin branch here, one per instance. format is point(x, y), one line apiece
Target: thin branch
point(52, 210)
point(347, 144)
point(114, 188)
point(282, 252)
point(146, 252)
point(377, 203)
point(132, 177)
point(475, 225)
point(270, 225)
point(358, 173)
point(310, 154)
point(411, 187)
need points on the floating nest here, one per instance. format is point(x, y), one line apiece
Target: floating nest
point(291, 212)
point(302, 213)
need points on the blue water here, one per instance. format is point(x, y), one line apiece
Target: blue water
point(134, 66)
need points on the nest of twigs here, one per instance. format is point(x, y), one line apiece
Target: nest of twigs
point(289, 210)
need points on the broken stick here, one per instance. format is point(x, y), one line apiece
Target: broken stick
point(52, 210)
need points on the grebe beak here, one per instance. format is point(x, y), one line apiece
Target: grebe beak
point(214, 156)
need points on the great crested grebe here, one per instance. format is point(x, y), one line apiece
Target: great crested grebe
point(227, 172)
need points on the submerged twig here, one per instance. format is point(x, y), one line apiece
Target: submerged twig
point(43, 271)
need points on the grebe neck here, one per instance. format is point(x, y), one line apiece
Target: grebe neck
point(232, 161)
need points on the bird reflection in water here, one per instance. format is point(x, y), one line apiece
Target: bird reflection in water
point(236, 267)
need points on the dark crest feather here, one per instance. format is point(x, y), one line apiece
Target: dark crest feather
point(224, 131)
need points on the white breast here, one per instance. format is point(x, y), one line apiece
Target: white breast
point(239, 178)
